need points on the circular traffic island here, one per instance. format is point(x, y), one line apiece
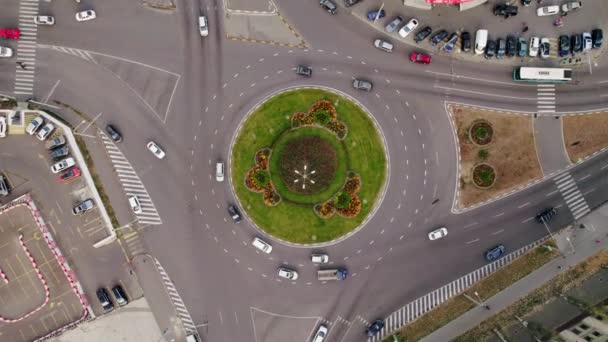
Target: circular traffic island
point(308, 166)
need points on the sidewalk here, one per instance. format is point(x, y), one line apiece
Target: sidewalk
point(576, 244)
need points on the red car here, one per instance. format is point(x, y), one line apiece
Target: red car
point(421, 58)
point(10, 33)
point(69, 174)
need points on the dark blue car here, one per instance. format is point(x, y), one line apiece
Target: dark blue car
point(375, 328)
point(371, 15)
point(495, 253)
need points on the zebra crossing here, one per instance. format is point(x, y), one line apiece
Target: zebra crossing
point(422, 305)
point(572, 195)
point(26, 48)
point(131, 183)
point(178, 303)
point(545, 98)
point(133, 244)
point(86, 55)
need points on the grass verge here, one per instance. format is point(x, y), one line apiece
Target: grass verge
point(486, 288)
point(296, 222)
point(585, 134)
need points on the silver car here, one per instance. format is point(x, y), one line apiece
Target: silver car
point(83, 207)
point(362, 85)
point(394, 24)
point(383, 45)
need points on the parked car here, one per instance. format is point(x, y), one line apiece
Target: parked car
point(156, 150)
point(438, 233)
point(219, 171)
point(576, 41)
point(120, 295)
point(83, 207)
point(135, 205)
point(34, 125)
point(371, 15)
point(348, 3)
point(374, 328)
point(449, 46)
point(6, 52)
point(505, 10)
point(329, 5)
point(86, 15)
point(465, 41)
point(501, 48)
point(526, 2)
point(597, 36)
point(261, 245)
point(45, 131)
point(547, 10)
point(203, 26)
point(10, 33)
point(287, 273)
point(362, 85)
point(587, 41)
point(113, 133)
point(104, 300)
point(490, 49)
point(2, 126)
point(70, 174)
point(408, 28)
point(546, 215)
point(422, 34)
point(63, 165)
point(320, 334)
point(4, 190)
point(564, 45)
point(522, 47)
point(511, 46)
point(495, 253)
point(234, 213)
point(59, 153)
point(481, 41)
point(383, 45)
point(419, 57)
point(544, 48)
point(439, 36)
point(571, 6)
point(393, 24)
point(55, 142)
point(44, 20)
point(319, 258)
point(534, 46)
point(304, 70)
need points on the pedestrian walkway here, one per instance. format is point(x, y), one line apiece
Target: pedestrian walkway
point(26, 48)
point(131, 183)
point(545, 101)
point(133, 244)
point(572, 195)
point(86, 55)
point(422, 305)
point(549, 142)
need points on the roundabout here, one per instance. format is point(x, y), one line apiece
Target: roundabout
point(308, 166)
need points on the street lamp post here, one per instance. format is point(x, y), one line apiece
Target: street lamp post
point(378, 14)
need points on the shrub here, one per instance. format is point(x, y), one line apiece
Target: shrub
point(342, 200)
point(261, 178)
point(483, 154)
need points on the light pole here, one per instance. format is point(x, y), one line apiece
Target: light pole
point(378, 14)
point(542, 219)
point(571, 245)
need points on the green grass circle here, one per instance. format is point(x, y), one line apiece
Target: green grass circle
point(364, 153)
point(279, 149)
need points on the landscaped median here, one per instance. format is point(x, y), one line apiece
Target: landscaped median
point(308, 166)
point(497, 153)
point(453, 308)
point(585, 134)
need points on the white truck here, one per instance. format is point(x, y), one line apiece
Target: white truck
point(333, 274)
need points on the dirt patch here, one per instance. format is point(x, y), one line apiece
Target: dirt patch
point(512, 153)
point(585, 134)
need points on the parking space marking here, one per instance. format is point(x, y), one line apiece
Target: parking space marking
point(130, 182)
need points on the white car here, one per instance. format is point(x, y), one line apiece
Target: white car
point(287, 273)
point(45, 131)
point(2, 126)
point(547, 10)
point(62, 165)
point(34, 125)
point(587, 41)
point(219, 171)
point(134, 204)
point(6, 52)
point(44, 20)
point(408, 28)
point(438, 233)
point(86, 15)
point(544, 48)
point(534, 45)
point(319, 258)
point(203, 27)
point(156, 150)
point(383, 45)
point(321, 334)
point(571, 6)
point(262, 245)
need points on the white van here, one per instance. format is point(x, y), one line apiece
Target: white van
point(481, 39)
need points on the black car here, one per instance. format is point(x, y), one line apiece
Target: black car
point(564, 45)
point(439, 36)
point(374, 328)
point(422, 34)
point(490, 49)
point(501, 48)
point(546, 215)
point(597, 35)
point(465, 38)
point(505, 10)
point(234, 213)
point(495, 253)
point(526, 2)
point(104, 300)
point(511, 46)
point(348, 3)
point(303, 70)
point(120, 295)
point(114, 134)
point(577, 43)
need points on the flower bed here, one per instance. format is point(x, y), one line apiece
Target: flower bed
point(484, 176)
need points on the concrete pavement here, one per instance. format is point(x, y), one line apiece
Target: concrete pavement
point(549, 142)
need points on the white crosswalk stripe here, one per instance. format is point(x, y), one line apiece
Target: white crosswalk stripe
point(572, 195)
point(131, 184)
point(74, 52)
point(411, 311)
point(26, 49)
point(545, 98)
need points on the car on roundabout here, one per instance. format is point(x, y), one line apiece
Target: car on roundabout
point(86, 15)
point(203, 26)
point(234, 213)
point(364, 85)
point(10, 33)
point(155, 149)
point(304, 70)
point(383, 45)
point(287, 273)
point(319, 258)
point(374, 328)
point(421, 58)
point(438, 233)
